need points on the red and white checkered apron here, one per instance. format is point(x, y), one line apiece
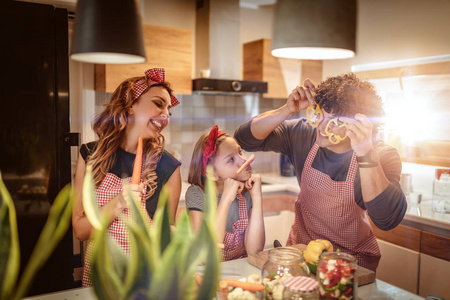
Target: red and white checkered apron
point(110, 187)
point(235, 242)
point(326, 209)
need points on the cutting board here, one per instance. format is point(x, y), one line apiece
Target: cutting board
point(364, 275)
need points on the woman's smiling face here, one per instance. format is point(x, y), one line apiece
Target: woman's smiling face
point(229, 157)
point(151, 112)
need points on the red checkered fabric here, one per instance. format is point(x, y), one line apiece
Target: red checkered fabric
point(326, 209)
point(234, 242)
point(110, 187)
point(155, 75)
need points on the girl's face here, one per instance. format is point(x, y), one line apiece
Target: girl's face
point(229, 157)
point(322, 138)
point(151, 112)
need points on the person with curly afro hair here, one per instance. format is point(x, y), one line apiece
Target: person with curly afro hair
point(345, 171)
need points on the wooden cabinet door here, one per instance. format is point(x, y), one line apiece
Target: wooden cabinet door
point(398, 266)
point(434, 277)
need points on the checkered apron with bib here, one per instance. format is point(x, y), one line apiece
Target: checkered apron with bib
point(234, 242)
point(110, 187)
point(326, 209)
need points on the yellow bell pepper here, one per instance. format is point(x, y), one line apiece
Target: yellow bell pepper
point(314, 114)
point(334, 138)
point(315, 249)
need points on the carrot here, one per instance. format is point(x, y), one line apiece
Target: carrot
point(247, 286)
point(245, 165)
point(198, 279)
point(136, 178)
point(223, 290)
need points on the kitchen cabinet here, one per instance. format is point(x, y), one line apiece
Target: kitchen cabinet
point(165, 47)
point(399, 266)
point(415, 260)
point(281, 74)
point(277, 227)
point(434, 276)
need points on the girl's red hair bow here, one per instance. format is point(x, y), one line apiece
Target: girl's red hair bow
point(210, 147)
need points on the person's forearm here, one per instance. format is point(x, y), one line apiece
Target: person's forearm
point(83, 228)
point(221, 220)
point(255, 236)
point(265, 123)
point(373, 182)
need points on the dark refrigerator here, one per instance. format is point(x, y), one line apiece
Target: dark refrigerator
point(34, 127)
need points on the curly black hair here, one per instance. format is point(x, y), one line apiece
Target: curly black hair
point(347, 95)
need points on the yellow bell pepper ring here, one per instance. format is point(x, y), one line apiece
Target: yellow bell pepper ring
point(314, 114)
point(334, 138)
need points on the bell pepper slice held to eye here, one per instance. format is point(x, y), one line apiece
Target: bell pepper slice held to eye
point(314, 114)
point(245, 165)
point(136, 177)
point(334, 138)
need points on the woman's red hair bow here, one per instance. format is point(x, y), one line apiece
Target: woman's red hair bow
point(153, 76)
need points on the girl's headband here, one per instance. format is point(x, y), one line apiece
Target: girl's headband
point(210, 147)
point(155, 75)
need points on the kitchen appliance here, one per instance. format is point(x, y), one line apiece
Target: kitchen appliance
point(217, 86)
point(34, 127)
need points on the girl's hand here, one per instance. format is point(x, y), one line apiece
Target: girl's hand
point(301, 97)
point(253, 185)
point(232, 187)
point(359, 130)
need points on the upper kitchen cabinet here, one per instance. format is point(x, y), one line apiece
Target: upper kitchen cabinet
point(165, 47)
point(416, 101)
point(282, 74)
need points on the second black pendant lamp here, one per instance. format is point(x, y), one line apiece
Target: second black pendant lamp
point(314, 29)
point(108, 32)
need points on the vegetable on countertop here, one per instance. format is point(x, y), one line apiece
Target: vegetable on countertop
point(315, 249)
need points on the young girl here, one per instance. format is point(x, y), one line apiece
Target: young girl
point(140, 106)
point(239, 223)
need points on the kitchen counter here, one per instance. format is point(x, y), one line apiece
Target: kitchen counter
point(239, 268)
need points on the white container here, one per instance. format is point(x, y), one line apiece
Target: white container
point(441, 192)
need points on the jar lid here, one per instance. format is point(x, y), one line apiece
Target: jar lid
point(301, 284)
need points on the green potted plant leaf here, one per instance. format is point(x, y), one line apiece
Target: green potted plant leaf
point(54, 229)
point(162, 264)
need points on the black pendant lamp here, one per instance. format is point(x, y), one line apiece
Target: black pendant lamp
point(108, 32)
point(314, 29)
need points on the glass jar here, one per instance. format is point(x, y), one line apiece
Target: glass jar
point(301, 288)
point(336, 275)
point(441, 191)
point(283, 263)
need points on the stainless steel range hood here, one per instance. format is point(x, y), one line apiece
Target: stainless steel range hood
point(223, 86)
point(218, 48)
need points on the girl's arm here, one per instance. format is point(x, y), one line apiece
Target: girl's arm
point(80, 223)
point(255, 234)
point(230, 190)
point(174, 187)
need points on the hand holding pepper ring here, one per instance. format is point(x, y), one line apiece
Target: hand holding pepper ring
point(314, 114)
point(334, 138)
